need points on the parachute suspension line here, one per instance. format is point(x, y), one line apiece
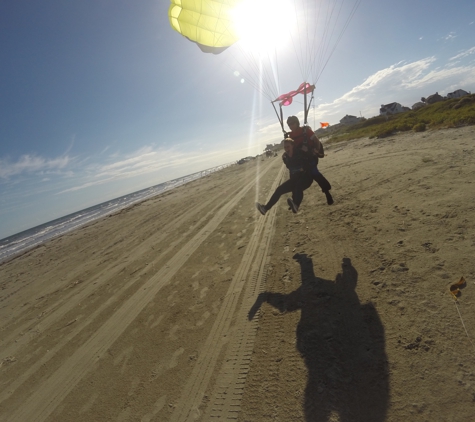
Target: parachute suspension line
point(313, 114)
point(316, 65)
point(250, 69)
point(266, 66)
point(311, 46)
point(298, 36)
point(307, 26)
point(276, 73)
point(280, 117)
point(305, 106)
point(320, 45)
point(298, 45)
point(318, 33)
point(328, 36)
point(306, 39)
point(356, 4)
point(307, 109)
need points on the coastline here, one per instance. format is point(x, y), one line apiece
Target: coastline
point(64, 224)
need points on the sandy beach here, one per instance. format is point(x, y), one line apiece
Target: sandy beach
point(192, 306)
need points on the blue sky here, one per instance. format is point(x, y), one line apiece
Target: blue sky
point(100, 98)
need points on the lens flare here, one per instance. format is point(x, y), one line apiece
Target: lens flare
point(262, 25)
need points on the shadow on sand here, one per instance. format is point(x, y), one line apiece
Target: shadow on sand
point(342, 343)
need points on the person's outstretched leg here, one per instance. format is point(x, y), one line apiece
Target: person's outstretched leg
point(285, 187)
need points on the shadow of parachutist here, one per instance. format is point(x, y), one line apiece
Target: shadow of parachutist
point(342, 343)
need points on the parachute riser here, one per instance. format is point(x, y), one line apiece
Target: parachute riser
point(306, 106)
point(280, 117)
point(306, 110)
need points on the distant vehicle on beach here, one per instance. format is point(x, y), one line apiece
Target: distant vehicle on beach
point(245, 160)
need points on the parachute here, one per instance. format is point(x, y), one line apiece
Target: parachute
point(298, 39)
point(207, 23)
point(324, 124)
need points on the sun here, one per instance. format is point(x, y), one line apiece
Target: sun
point(262, 25)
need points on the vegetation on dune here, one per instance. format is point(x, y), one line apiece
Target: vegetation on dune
point(444, 114)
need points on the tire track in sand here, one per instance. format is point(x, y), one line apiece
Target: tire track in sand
point(57, 311)
point(227, 393)
point(53, 390)
point(15, 340)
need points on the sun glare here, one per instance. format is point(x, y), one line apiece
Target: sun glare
point(262, 25)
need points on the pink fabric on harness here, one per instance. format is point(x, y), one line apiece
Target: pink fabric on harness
point(286, 99)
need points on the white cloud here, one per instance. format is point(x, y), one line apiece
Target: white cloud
point(32, 164)
point(402, 82)
point(160, 164)
point(450, 36)
point(464, 54)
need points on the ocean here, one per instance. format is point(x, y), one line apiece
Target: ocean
point(21, 242)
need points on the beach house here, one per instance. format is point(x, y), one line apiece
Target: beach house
point(431, 99)
point(392, 108)
point(457, 94)
point(418, 105)
point(349, 120)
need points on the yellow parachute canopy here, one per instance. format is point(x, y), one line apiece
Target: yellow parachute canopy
point(207, 23)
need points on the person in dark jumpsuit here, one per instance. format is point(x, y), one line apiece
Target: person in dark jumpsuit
point(299, 180)
point(305, 140)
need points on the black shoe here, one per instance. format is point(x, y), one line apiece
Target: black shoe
point(292, 205)
point(262, 209)
point(329, 198)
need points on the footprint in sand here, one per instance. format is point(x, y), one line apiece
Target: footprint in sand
point(158, 370)
point(123, 357)
point(203, 292)
point(133, 387)
point(174, 359)
point(157, 322)
point(203, 319)
point(150, 319)
point(173, 331)
point(124, 415)
point(88, 405)
point(216, 306)
point(159, 404)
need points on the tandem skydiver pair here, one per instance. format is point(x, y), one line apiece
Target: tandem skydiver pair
point(302, 151)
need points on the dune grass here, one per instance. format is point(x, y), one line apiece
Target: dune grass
point(444, 114)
